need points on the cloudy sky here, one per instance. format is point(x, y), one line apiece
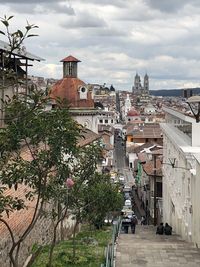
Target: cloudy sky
point(114, 39)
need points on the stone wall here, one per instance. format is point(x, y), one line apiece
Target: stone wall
point(41, 234)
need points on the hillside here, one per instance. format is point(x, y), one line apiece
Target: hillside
point(173, 92)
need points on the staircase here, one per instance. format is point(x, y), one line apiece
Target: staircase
point(146, 249)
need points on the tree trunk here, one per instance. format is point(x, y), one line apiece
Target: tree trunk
point(74, 243)
point(49, 264)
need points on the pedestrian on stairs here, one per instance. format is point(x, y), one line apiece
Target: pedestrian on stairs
point(160, 229)
point(167, 229)
point(134, 221)
point(143, 220)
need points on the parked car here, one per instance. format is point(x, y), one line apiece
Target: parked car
point(127, 188)
point(127, 202)
point(127, 195)
point(121, 179)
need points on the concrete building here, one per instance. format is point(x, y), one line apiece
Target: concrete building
point(181, 174)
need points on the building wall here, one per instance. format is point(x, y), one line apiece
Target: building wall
point(195, 186)
point(88, 121)
point(40, 235)
point(142, 140)
point(181, 192)
point(131, 158)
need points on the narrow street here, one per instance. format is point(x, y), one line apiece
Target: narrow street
point(121, 166)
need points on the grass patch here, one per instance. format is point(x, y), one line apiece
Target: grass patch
point(90, 247)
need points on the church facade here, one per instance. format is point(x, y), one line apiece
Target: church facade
point(139, 88)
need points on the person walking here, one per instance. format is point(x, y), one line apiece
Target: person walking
point(143, 220)
point(134, 221)
point(160, 229)
point(167, 229)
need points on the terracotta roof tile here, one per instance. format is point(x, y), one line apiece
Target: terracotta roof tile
point(70, 59)
point(67, 88)
point(88, 137)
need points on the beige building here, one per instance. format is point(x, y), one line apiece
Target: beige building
point(181, 174)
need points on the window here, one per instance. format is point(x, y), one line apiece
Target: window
point(100, 121)
point(131, 139)
point(111, 121)
point(106, 121)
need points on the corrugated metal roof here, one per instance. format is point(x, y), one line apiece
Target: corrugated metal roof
point(20, 53)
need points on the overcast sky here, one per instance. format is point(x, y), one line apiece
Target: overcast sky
point(114, 39)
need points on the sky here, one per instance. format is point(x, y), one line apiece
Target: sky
point(114, 39)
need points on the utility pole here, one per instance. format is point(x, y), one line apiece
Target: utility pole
point(155, 191)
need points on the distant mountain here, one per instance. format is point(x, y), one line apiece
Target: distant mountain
point(173, 92)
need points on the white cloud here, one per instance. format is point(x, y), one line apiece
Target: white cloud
point(114, 39)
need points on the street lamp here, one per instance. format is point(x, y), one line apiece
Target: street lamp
point(194, 104)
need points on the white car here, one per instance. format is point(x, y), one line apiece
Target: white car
point(127, 202)
point(121, 179)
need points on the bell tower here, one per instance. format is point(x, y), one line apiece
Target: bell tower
point(70, 67)
point(146, 84)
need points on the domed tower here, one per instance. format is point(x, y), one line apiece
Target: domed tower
point(146, 84)
point(71, 88)
point(70, 66)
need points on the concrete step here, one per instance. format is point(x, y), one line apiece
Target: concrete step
point(145, 248)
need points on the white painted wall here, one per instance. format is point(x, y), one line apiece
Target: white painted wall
point(89, 121)
point(181, 196)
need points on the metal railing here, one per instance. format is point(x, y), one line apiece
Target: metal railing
point(110, 250)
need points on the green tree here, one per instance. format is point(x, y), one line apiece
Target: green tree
point(83, 174)
point(47, 138)
point(102, 197)
point(17, 37)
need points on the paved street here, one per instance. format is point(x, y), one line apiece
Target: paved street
point(120, 162)
point(119, 155)
point(146, 249)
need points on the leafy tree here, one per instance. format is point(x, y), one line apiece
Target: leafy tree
point(17, 37)
point(102, 197)
point(47, 137)
point(70, 198)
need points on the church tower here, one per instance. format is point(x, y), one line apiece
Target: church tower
point(70, 67)
point(137, 84)
point(146, 84)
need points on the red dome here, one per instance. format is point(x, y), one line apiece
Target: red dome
point(132, 113)
point(68, 88)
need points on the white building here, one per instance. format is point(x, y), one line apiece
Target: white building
point(127, 106)
point(149, 109)
point(181, 174)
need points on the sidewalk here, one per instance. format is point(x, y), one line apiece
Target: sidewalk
point(146, 249)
